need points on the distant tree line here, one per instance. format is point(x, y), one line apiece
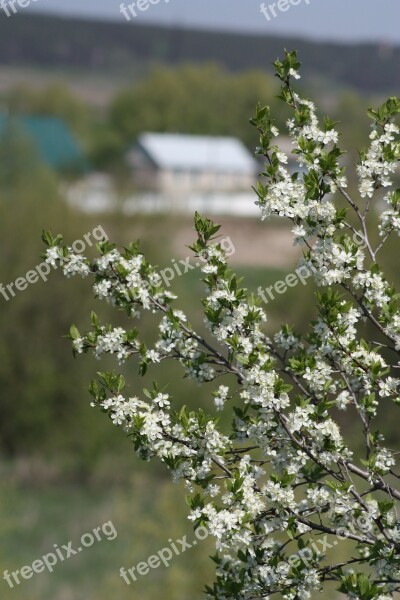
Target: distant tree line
point(53, 41)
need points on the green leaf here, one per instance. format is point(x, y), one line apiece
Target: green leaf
point(74, 333)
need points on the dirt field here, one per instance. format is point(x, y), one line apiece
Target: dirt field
point(256, 243)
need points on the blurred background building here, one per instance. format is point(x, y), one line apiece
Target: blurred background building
point(183, 164)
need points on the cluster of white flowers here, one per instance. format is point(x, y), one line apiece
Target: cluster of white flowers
point(221, 397)
point(284, 471)
point(287, 340)
point(333, 263)
point(392, 329)
point(112, 342)
point(390, 219)
point(343, 400)
point(74, 265)
point(379, 164)
point(53, 256)
point(389, 387)
point(121, 410)
point(375, 288)
point(384, 461)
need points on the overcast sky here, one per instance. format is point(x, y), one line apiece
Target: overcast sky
point(350, 20)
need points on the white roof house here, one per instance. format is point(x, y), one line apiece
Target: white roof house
point(179, 171)
point(173, 151)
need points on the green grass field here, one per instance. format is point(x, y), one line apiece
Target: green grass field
point(146, 513)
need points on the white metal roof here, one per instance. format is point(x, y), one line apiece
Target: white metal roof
point(198, 153)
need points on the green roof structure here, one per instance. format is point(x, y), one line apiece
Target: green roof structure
point(52, 139)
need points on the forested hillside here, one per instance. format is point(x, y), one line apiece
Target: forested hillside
point(40, 40)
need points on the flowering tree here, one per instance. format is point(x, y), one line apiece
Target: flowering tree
point(282, 487)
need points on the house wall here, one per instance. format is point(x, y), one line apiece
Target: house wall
point(188, 181)
point(148, 177)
